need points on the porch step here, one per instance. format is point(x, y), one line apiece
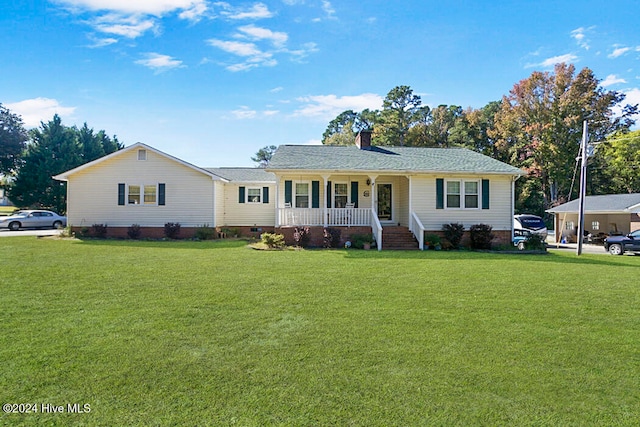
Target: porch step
point(398, 238)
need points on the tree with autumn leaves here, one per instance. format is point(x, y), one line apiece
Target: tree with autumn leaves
point(537, 126)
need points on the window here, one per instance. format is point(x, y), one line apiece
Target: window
point(302, 195)
point(471, 194)
point(340, 195)
point(463, 194)
point(134, 194)
point(149, 194)
point(569, 225)
point(595, 225)
point(142, 154)
point(253, 195)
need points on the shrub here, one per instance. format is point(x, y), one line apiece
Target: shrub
point(535, 242)
point(172, 230)
point(302, 235)
point(99, 230)
point(431, 240)
point(331, 237)
point(204, 232)
point(481, 236)
point(446, 244)
point(134, 231)
point(273, 240)
point(453, 232)
point(358, 240)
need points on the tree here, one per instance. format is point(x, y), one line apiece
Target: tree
point(399, 112)
point(13, 137)
point(622, 153)
point(52, 149)
point(263, 156)
point(539, 126)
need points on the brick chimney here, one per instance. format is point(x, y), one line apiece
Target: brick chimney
point(363, 139)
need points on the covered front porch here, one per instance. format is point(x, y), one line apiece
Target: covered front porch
point(338, 200)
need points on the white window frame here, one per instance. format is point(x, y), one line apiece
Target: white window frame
point(335, 194)
point(142, 154)
point(569, 226)
point(463, 194)
point(142, 194)
point(259, 195)
point(295, 194)
point(595, 225)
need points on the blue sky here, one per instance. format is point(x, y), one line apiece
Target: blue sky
point(212, 82)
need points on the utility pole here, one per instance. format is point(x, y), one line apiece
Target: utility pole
point(583, 185)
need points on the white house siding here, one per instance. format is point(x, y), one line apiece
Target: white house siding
point(238, 214)
point(93, 193)
point(499, 215)
point(219, 196)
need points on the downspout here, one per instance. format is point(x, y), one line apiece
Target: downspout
point(513, 202)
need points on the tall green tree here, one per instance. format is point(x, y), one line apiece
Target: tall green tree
point(400, 110)
point(539, 125)
point(622, 154)
point(263, 156)
point(54, 148)
point(13, 137)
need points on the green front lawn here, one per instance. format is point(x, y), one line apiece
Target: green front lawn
point(214, 333)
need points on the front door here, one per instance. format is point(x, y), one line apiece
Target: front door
point(385, 204)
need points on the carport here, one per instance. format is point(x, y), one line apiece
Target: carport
point(604, 215)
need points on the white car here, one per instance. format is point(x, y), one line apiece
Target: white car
point(32, 219)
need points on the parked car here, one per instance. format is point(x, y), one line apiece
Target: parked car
point(33, 219)
point(530, 223)
point(618, 245)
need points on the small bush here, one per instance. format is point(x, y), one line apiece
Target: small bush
point(446, 244)
point(431, 240)
point(273, 240)
point(358, 240)
point(331, 237)
point(453, 232)
point(302, 235)
point(67, 232)
point(99, 230)
point(481, 236)
point(204, 232)
point(535, 242)
point(134, 231)
point(172, 230)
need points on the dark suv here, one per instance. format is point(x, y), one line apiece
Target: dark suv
point(617, 245)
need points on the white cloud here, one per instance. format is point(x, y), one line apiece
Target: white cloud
point(550, 62)
point(277, 89)
point(329, 106)
point(618, 52)
point(36, 110)
point(190, 8)
point(244, 112)
point(258, 33)
point(159, 62)
point(101, 42)
point(580, 36)
point(254, 56)
point(612, 79)
point(258, 11)
point(125, 26)
point(237, 48)
point(328, 9)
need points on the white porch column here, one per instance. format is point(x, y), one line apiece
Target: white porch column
point(325, 180)
point(277, 201)
point(410, 198)
point(374, 196)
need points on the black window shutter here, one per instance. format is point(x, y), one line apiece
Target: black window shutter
point(485, 194)
point(315, 194)
point(161, 194)
point(354, 193)
point(439, 193)
point(241, 195)
point(120, 194)
point(265, 194)
point(288, 192)
point(328, 194)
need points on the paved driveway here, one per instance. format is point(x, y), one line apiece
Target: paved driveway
point(47, 232)
point(573, 247)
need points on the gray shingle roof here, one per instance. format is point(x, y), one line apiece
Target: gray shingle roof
point(607, 203)
point(244, 174)
point(386, 159)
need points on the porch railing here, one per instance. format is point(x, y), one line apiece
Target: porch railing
point(376, 229)
point(315, 216)
point(417, 229)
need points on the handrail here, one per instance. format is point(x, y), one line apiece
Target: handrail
point(419, 234)
point(376, 228)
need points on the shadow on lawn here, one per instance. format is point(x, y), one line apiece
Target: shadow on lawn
point(548, 257)
point(168, 244)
